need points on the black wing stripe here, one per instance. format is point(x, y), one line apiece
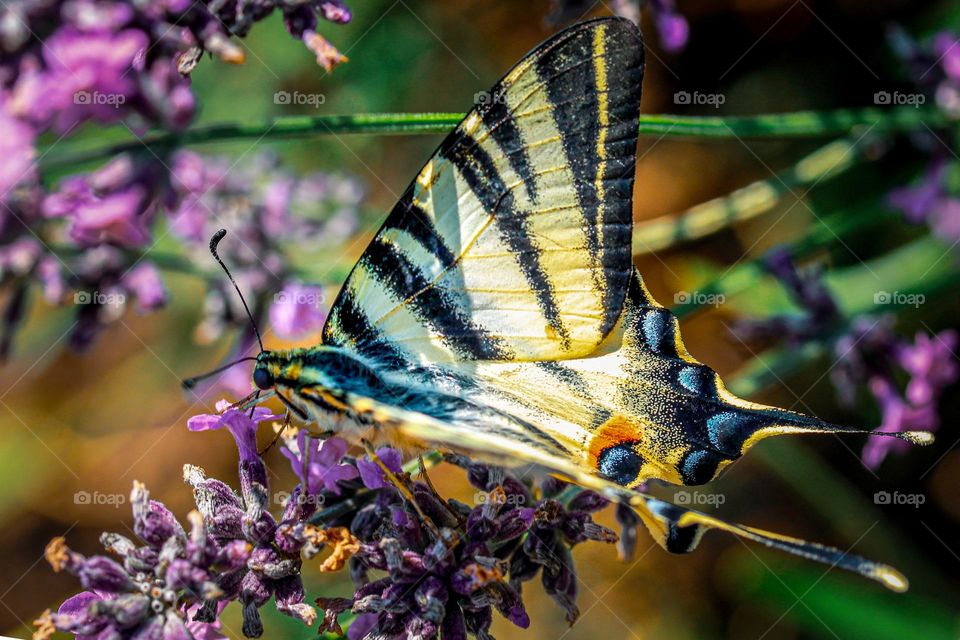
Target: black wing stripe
point(417, 223)
point(478, 169)
point(350, 321)
point(503, 127)
point(395, 272)
point(578, 117)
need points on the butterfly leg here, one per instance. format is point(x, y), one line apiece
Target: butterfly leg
point(400, 486)
point(426, 478)
point(283, 427)
point(249, 401)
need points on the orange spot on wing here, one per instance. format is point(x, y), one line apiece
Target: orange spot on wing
point(617, 430)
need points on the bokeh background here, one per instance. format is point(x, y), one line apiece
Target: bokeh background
point(95, 422)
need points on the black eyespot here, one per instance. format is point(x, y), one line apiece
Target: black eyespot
point(699, 466)
point(262, 378)
point(620, 463)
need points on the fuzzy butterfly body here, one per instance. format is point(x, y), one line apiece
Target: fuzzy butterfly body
point(497, 312)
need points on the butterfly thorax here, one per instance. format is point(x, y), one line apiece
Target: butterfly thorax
point(320, 385)
point(311, 381)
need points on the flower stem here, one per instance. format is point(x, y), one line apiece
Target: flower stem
point(804, 124)
point(750, 201)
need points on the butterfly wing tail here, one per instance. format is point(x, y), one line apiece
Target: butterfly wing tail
point(679, 530)
point(718, 426)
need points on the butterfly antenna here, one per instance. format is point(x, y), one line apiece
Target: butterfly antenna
point(214, 241)
point(190, 383)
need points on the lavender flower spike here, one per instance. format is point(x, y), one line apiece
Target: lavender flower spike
point(318, 463)
point(154, 589)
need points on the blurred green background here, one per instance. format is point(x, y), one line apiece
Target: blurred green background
point(96, 422)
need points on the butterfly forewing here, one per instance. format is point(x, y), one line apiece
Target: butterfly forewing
point(513, 242)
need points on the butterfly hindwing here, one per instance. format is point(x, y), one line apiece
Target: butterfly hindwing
point(640, 407)
point(676, 529)
point(513, 242)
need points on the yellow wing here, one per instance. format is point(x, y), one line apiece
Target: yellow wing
point(676, 529)
point(513, 242)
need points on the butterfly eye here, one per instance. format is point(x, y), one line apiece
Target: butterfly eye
point(262, 378)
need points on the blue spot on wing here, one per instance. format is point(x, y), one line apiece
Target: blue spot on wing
point(722, 430)
point(729, 429)
point(699, 466)
point(653, 329)
point(690, 379)
point(620, 463)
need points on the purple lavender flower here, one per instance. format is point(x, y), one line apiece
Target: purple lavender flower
point(372, 475)
point(917, 201)
point(114, 205)
point(87, 77)
point(946, 47)
point(930, 202)
point(869, 354)
point(671, 25)
point(260, 556)
point(450, 566)
point(256, 201)
point(239, 423)
point(17, 151)
point(932, 365)
point(934, 68)
point(156, 590)
point(65, 64)
point(944, 219)
point(318, 463)
point(146, 284)
point(558, 525)
point(898, 416)
point(446, 584)
point(820, 312)
point(74, 614)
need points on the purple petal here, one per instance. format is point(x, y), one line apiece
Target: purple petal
point(77, 604)
point(674, 31)
point(370, 472)
point(332, 451)
point(361, 626)
point(204, 422)
point(333, 475)
point(295, 463)
point(147, 286)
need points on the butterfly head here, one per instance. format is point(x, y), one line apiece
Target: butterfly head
point(265, 371)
